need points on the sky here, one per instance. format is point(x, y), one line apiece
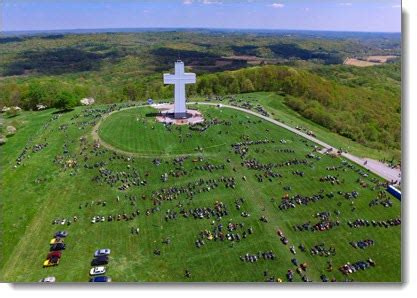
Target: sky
point(333, 15)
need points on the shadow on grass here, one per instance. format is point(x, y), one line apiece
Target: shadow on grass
point(62, 111)
point(153, 114)
point(11, 116)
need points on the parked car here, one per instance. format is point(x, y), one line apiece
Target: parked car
point(56, 240)
point(48, 279)
point(56, 254)
point(57, 246)
point(61, 234)
point(102, 252)
point(99, 261)
point(98, 270)
point(100, 279)
point(54, 261)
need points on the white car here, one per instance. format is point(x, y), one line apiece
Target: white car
point(48, 279)
point(102, 252)
point(98, 270)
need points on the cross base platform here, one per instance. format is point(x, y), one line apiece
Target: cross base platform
point(168, 116)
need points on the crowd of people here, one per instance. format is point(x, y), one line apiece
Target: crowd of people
point(288, 202)
point(29, 146)
point(242, 148)
point(65, 220)
point(39, 147)
point(331, 179)
point(218, 212)
point(253, 258)
point(210, 167)
point(115, 217)
point(362, 244)
point(233, 232)
point(192, 188)
point(322, 250)
point(381, 199)
point(321, 226)
point(349, 268)
point(203, 126)
point(101, 160)
point(123, 179)
point(360, 223)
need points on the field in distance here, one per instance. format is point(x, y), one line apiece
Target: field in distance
point(369, 60)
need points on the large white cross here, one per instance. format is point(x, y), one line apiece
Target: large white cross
point(179, 79)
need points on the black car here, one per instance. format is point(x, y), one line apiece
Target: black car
point(57, 246)
point(98, 261)
point(61, 234)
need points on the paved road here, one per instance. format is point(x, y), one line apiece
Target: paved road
point(374, 166)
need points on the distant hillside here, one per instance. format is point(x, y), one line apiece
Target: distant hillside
point(206, 50)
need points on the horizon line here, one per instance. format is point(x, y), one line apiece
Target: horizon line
point(193, 28)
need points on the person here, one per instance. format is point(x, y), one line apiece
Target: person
point(187, 274)
point(329, 266)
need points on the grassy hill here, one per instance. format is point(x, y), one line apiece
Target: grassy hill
point(276, 105)
point(45, 187)
point(369, 114)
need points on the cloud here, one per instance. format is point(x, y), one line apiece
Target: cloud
point(277, 5)
point(208, 2)
point(205, 2)
point(345, 4)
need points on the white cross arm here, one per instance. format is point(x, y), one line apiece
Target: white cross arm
point(189, 78)
point(186, 78)
point(169, 78)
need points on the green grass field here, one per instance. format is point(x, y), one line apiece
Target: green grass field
point(40, 190)
point(275, 105)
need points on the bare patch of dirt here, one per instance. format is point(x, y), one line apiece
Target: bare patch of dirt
point(368, 61)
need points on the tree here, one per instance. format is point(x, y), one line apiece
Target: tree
point(234, 87)
point(65, 101)
point(130, 92)
point(247, 86)
point(34, 95)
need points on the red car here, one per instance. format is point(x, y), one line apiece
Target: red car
point(55, 254)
